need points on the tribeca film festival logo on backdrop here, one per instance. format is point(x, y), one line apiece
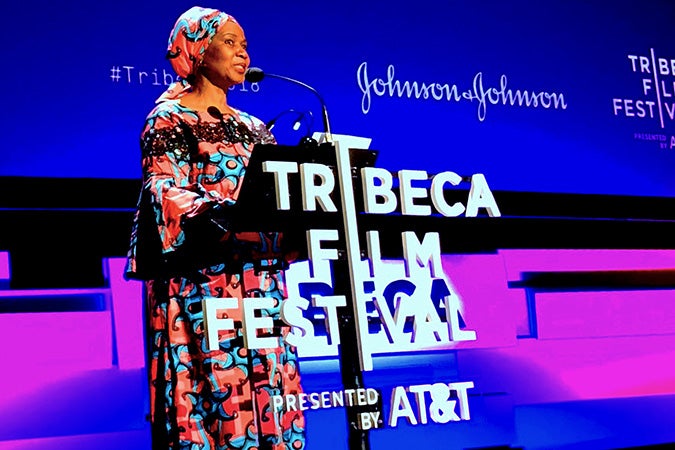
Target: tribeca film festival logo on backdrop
point(389, 86)
point(657, 104)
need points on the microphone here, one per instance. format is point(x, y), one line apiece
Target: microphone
point(215, 113)
point(255, 75)
point(233, 127)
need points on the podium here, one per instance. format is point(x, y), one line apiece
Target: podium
point(262, 207)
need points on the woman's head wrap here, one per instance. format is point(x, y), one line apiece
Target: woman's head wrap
point(191, 35)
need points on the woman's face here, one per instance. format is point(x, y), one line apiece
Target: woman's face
point(226, 59)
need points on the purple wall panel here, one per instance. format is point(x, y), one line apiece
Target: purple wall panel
point(593, 348)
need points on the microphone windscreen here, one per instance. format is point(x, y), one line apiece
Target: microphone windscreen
point(254, 74)
point(214, 112)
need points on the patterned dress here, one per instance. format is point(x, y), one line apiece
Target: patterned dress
point(193, 168)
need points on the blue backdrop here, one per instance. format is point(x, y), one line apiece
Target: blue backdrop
point(562, 96)
point(565, 96)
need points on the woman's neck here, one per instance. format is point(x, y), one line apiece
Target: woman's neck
point(202, 97)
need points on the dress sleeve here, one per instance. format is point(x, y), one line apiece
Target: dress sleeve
point(168, 146)
point(182, 222)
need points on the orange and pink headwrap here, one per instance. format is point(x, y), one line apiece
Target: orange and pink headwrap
point(191, 35)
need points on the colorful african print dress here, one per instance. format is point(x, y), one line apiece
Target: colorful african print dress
point(193, 165)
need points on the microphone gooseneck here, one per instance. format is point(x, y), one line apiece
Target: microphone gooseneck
point(299, 118)
point(255, 75)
